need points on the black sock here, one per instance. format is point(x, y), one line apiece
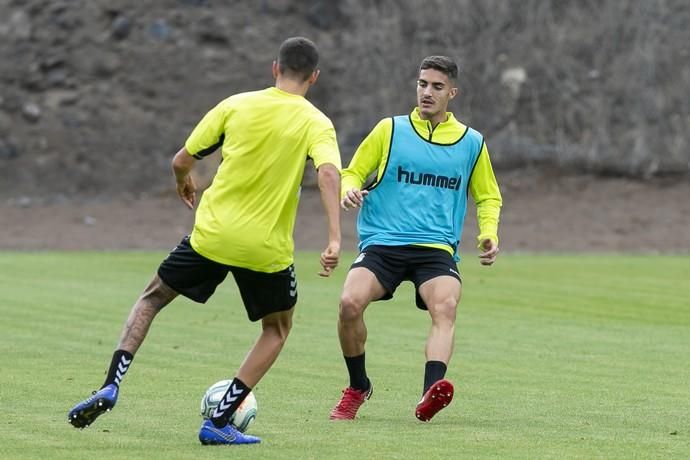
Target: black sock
point(358, 374)
point(433, 371)
point(229, 403)
point(118, 367)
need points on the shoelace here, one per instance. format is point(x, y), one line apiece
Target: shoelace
point(350, 402)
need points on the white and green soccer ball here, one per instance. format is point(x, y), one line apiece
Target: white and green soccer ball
point(243, 416)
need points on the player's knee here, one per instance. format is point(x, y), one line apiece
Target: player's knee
point(350, 307)
point(157, 294)
point(444, 309)
point(284, 328)
point(279, 326)
point(279, 330)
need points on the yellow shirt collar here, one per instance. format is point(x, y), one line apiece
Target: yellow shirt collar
point(446, 132)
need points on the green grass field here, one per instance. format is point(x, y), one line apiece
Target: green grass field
point(557, 356)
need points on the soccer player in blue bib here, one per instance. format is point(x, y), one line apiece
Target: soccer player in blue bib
point(410, 223)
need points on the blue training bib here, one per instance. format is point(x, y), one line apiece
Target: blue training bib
point(422, 194)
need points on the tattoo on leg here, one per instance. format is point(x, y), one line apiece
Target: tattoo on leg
point(156, 296)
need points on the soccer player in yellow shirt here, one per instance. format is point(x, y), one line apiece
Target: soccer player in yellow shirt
point(409, 225)
point(243, 225)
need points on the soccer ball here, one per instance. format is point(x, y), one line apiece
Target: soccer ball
point(243, 416)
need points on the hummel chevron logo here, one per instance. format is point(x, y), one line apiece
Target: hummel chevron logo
point(235, 391)
point(293, 285)
point(122, 367)
point(230, 397)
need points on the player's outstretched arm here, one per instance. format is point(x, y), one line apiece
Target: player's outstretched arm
point(329, 186)
point(487, 197)
point(182, 165)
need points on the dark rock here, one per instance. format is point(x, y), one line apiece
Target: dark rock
point(105, 65)
point(56, 77)
point(120, 27)
point(56, 98)
point(32, 78)
point(211, 31)
point(63, 17)
point(8, 151)
point(51, 62)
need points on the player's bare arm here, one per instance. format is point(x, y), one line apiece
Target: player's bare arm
point(489, 251)
point(329, 186)
point(182, 165)
point(353, 198)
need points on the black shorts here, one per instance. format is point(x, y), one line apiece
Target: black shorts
point(394, 264)
point(194, 276)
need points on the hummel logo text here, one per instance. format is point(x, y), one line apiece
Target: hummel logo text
point(428, 179)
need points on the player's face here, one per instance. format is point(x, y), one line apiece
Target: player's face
point(434, 91)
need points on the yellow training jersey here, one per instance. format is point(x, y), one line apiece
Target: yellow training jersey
point(247, 215)
point(372, 156)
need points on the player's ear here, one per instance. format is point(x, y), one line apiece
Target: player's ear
point(314, 76)
point(454, 92)
point(276, 69)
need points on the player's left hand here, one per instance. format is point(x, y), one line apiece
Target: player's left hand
point(187, 191)
point(489, 252)
point(330, 258)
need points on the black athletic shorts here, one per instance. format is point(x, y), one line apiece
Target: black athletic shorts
point(394, 264)
point(194, 276)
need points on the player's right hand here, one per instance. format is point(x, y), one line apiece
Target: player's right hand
point(353, 198)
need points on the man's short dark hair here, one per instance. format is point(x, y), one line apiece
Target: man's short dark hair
point(298, 57)
point(442, 64)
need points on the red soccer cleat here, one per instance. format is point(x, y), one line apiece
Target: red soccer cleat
point(349, 404)
point(436, 398)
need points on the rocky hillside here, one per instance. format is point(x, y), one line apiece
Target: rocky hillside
point(95, 96)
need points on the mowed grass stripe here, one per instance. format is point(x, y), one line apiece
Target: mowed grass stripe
point(578, 290)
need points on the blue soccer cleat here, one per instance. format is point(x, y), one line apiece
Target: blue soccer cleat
point(210, 435)
point(84, 413)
